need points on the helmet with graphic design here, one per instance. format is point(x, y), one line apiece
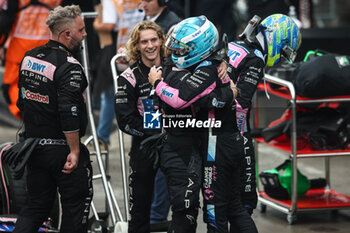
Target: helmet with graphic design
point(193, 40)
point(282, 38)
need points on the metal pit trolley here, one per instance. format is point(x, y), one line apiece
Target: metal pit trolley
point(315, 199)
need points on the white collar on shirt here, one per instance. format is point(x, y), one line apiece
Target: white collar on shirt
point(153, 18)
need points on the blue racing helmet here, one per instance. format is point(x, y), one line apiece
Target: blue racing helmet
point(282, 38)
point(193, 40)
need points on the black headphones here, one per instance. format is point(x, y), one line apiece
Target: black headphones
point(162, 2)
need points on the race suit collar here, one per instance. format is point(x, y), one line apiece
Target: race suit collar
point(58, 45)
point(256, 44)
point(143, 69)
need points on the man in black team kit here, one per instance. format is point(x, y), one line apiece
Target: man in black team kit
point(145, 49)
point(209, 139)
point(52, 87)
point(158, 12)
point(261, 44)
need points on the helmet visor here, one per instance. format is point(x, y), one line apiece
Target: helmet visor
point(178, 47)
point(288, 53)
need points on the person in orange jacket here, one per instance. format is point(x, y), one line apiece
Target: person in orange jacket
point(28, 31)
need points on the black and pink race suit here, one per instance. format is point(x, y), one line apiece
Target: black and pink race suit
point(52, 88)
point(214, 148)
point(132, 100)
point(246, 70)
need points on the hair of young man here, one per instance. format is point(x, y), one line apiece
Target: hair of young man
point(131, 46)
point(60, 18)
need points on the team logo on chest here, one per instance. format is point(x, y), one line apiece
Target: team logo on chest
point(26, 94)
point(34, 66)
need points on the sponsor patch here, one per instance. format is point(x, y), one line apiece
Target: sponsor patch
point(74, 84)
point(74, 110)
point(121, 100)
point(35, 66)
point(259, 54)
point(26, 94)
point(166, 93)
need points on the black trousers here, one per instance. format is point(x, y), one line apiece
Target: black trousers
point(249, 196)
point(44, 177)
point(181, 164)
point(221, 184)
point(141, 183)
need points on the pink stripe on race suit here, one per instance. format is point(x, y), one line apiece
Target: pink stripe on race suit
point(170, 95)
point(227, 79)
point(211, 114)
point(3, 178)
point(74, 61)
point(129, 76)
point(84, 95)
point(241, 117)
point(236, 54)
point(37, 66)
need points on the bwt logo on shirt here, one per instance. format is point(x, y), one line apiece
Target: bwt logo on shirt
point(151, 120)
point(233, 54)
point(167, 93)
point(35, 66)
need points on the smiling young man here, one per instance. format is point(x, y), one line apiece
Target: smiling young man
point(159, 12)
point(145, 50)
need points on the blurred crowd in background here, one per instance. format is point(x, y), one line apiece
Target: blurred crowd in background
point(22, 26)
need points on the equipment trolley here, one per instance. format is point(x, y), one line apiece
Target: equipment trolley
point(315, 199)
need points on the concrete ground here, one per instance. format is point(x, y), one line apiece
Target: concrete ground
point(270, 221)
